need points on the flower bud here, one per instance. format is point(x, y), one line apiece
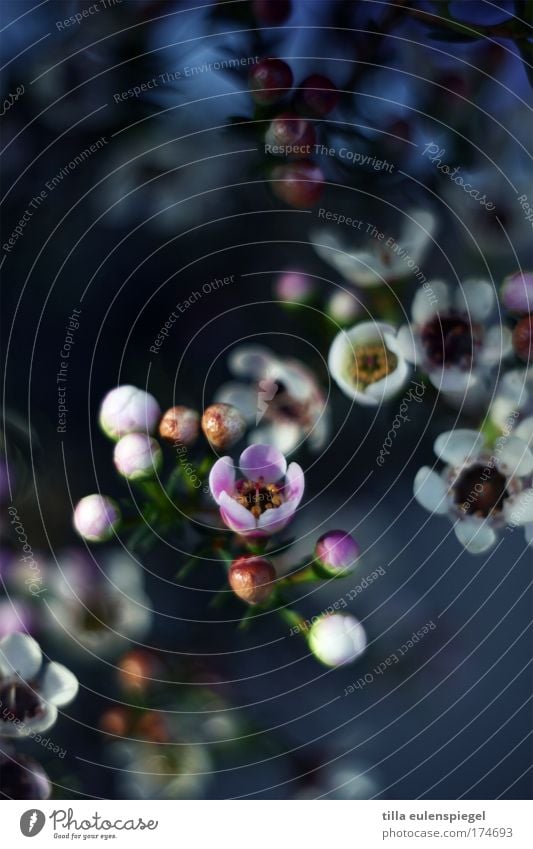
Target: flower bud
point(299, 184)
point(271, 11)
point(337, 552)
point(136, 670)
point(294, 286)
point(127, 409)
point(22, 777)
point(337, 639)
point(137, 456)
point(115, 721)
point(290, 131)
point(96, 517)
point(522, 339)
point(317, 95)
point(180, 425)
point(223, 425)
point(517, 292)
point(252, 579)
point(343, 307)
point(269, 81)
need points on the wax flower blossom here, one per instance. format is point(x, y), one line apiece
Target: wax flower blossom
point(29, 695)
point(448, 338)
point(383, 259)
point(481, 489)
point(127, 409)
point(337, 552)
point(265, 499)
point(337, 639)
point(367, 364)
point(281, 397)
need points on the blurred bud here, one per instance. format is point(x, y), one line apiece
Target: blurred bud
point(317, 95)
point(294, 286)
point(180, 424)
point(96, 517)
point(151, 726)
point(137, 456)
point(136, 670)
point(522, 342)
point(517, 292)
point(337, 639)
point(337, 551)
point(269, 81)
point(299, 184)
point(22, 777)
point(127, 409)
point(223, 425)
point(115, 721)
point(291, 131)
point(271, 11)
point(252, 579)
point(343, 307)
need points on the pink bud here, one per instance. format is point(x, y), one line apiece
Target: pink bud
point(96, 517)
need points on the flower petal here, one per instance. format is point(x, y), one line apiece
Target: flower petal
point(222, 478)
point(476, 535)
point(430, 491)
point(425, 307)
point(20, 654)
point(294, 484)
point(476, 298)
point(59, 685)
point(518, 509)
point(497, 344)
point(235, 515)
point(514, 458)
point(263, 461)
point(285, 436)
point(250, 361)
point(524, 431)
point(458, 446)
point(407, 343)
point(272, 521)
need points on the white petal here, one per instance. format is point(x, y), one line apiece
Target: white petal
point(59, 685)
point(20, 654)
point(518, 509)
point(42, 722)
point(283, 435)
point(416, 234)
point(476, 535)
point(524, 431)
point(497, 344)
point(406, 343)
point(457, 446)
point(452, 379)
point(429, 301)
point(514, 457)
point(476, 298)
point(250, 361)
point(430, 491)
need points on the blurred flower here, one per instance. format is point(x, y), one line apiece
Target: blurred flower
point(270, 80)
point(15, 616)
point(337, 639)
point(137, 456)
point(367, 364)
point(252, 579)
point(258, 504)
point(337, 552)
point(285, 398)
point(292, 133)
point(299, 184)
point(95, 608)
point(517, 292)
point(380, 261)
point(96, 518)
point(29, 696)
point(317, 95)
point(294, 286)
point(449, 338)
point(343, 307)
point(271, 11)
point(127, 409)
point(22, 777)
point(480, 489)
point(223, 425)
point(180, 425)
point(513, 399)
point(523, 339)
point(155, 771)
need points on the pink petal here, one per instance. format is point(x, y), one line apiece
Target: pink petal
point(263, 461)
point(272, 521)
point(236, 517)
point(295, 484)
point(222, 478)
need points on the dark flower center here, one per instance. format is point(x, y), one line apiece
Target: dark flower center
point(258, 496)
point(18, 702)
point(480, 491)
point(97, 613)
point(450, 341)
point(371, 363)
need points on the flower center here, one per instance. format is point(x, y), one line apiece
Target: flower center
point(97, 613)
point(18, 702)
point(480, 491)
point(371, 363)
point(450, 340)
point(258, 496)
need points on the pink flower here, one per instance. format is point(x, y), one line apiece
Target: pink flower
point(265, 499)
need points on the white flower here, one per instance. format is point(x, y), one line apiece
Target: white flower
point(366, 362)
point(281, 397)
point(513, 399)
point(448, 337)
point(481, 489)
point(337, 639)
point(379, 261)
point(29, 695)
